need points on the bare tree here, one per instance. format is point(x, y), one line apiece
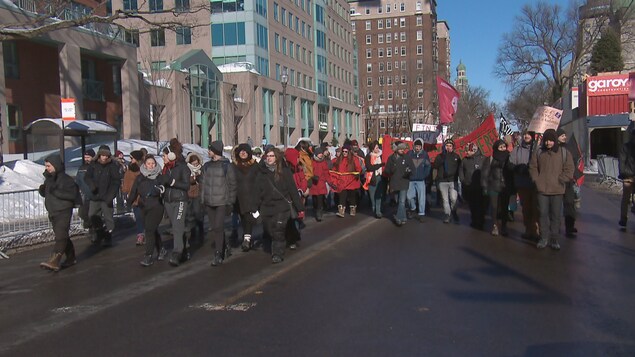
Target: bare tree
point(473, 107)
point(543, 44)
point(42, 17)
point(522, 103)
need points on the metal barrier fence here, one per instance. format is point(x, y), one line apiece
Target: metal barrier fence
point(24, 219)
point(608, 169)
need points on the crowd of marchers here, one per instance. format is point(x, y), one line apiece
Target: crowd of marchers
point(269, 186)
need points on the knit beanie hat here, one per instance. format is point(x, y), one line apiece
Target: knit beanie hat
point(449, 141)
point(550, 135)
point(104, 150)
point(137, 155)
point(216, 147)
point(402, 146)
point(90, 152)
point(559, 132)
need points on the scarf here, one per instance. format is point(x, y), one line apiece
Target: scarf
point(375, 159)
point(271, 168)
point(168, 166)
point(244, 165)
point(501, 156)
point(196, 170)
point(151, 174)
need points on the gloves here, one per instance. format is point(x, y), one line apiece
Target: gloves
point(309, 183)
point(157, 190)
point(42, 190)
point(315, 179)
point(300, 215)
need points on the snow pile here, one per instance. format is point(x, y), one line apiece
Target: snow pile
point(25, 175)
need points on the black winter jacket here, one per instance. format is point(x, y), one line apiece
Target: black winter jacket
point(59, 190)
point(147, 189)
point(447, 166)
point(470, 170)
point(270, 201)
point(245, 182)
point(497, 176)
point(103, 180)
point(627, 160)
point(176, 181)
point(399, 168)
point(80, 179)
point(218, 183)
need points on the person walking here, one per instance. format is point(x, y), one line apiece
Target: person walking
point(245, 166)
point(417, 188)
point(497, 183)
point(318, 189)
point(446, 165)
point(470, 171)
point(551, 168)
point(627, 175)
point(60, 194)
point(399, 168)
point(136, 158)
point(175, 178)
point(87, 194)
point(276, 196)
point(218, 195)
point(568, 200)
point(526, 188)
point(194, 221)
point(375, 182)
point(103, 179)
point(146, 193)
point(348, 170)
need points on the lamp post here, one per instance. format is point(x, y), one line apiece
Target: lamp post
point(188, 88)
point(284, 79)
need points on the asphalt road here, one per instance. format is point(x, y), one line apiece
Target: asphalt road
point(356, 287)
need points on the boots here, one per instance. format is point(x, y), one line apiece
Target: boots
point(218, 259)
point(70, 255)
point(318, 215)
point(340, 211)
point(569, 224)
point(353, 210)
point(53, 263)
point(495, 230)
point(246, 246)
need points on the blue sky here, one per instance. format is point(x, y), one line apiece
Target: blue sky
point(476, 28)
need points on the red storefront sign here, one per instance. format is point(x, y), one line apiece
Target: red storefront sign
point(608, 85)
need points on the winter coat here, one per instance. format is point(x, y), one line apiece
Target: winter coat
point(497, 176)
point(549, 172)
point(103, 180)
point(422, 165)
point(59, 190)
point(520, 157)
point(346, 179)
point(307, 164)
point(129, 178)
point(373, 169)
point(195, 172)
point(80, 179)
point(218, 183)
point(627, 160)
point(145, 192)
point(470, 169)
point(447, 166)
point(321, 171)
point(399, 168)
point(176, 181)
point(245, 181)
point(270, 201)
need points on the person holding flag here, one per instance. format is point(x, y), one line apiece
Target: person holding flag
point(448, 101)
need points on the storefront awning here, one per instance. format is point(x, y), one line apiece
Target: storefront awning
point(608, 121)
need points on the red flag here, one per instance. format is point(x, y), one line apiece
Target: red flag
point(448, 100)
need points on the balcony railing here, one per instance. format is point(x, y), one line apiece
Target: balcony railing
point(93, 90)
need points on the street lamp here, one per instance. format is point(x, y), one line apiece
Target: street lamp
point(188, 88)
point(284, 79)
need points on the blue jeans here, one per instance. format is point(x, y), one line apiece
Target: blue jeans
point(376, 193)
point(401, 205)
point(417, 190)
point(448, 195)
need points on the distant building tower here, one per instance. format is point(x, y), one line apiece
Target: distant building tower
point(461, 78)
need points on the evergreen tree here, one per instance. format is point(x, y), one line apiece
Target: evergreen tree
point(607, 53)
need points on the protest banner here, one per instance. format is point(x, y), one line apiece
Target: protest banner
point(545, 118)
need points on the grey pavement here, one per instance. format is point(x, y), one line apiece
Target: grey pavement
point(356, 287)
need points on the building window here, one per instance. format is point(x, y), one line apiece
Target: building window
point(156, 5)
point(262, 37)
point(419, 49)
point(419, 35)
point(419, 79)
point(419, 20)
point(419, 64)
point(276, 42)
point(182, 5)
point(403, 50)
point(381, 69)
point(369, 67)
point(367, 11)
point(283, 17)
point(284, 45)
point(402, 22)
point(369, 81)
point(116, 79)
point(381, 80)
point(367, 25)
point(388, 37)
point(380, 52)
point(388, 52)
point(130, 5)
point(368, 40)
point(403, 79)
point(380, 24)
point(402, 36)
point(404, 94)
point(382, 123)
point(388, 23)
point(388, 7)
point(390, 97)
point(369, 53)
point(403, 65)
point(132, 37)
point(403, 7)
point(420, 93)
point(380, 38)
point(14, 122)
point(275, 11)
point(389, 80)
point(369, 96)
point(183, 35)
point(261, 7)
point(389, 66)
point(231, 33)
point(11, 62)
point(157, 37)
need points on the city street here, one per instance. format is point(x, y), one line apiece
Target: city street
point(355, 287)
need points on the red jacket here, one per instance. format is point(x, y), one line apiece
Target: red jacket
point(345, 179)
point(321, 170)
